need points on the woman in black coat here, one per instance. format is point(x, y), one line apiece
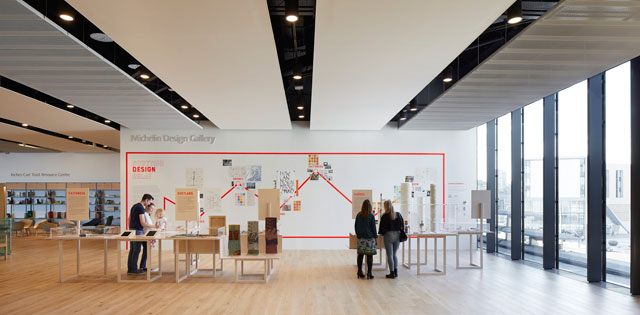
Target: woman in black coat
point(365, 227)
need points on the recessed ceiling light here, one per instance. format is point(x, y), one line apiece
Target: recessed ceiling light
point(70, 106)
point(145, 76)
point(184, 106)
point(101, 37)
point(301, 116)
point(297, 77)
point(403, 118)
point(196, 116)
point(107, 121)
point(447, 80)
point(291, 10)
point(514, 13)
point(300, 107)
point(66, 17)
point(133, 66)
point(21, 144)
point(292, 18)
point(515, 20)
point(25, 125)
point(70, 137)
point(105, 146)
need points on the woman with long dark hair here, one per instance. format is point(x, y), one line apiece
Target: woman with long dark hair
point(391, 223)
point(365, 227)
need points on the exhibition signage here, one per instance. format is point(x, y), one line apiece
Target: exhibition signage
point(78, 204)
point(187, 204)
point(358, 197)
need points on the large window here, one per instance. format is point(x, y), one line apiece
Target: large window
point(481, 160)
point(572, 178)
point(504, 184)
point(618, 155)
point(533, 181)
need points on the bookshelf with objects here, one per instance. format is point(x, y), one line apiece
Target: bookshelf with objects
point(47, 201)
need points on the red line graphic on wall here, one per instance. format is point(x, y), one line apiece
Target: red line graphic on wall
point(280, 153)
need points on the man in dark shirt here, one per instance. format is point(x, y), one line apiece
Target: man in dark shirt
point(136, 217)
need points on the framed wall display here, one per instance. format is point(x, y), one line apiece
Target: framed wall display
point(187, 204)
point(358, 196)
point(478, 198)
point(268, 203)
point(78, 204)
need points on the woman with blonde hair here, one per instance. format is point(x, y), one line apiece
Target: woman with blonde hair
point(391, 224)
point(365, 227)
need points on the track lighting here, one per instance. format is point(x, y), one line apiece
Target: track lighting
point(301, 116)
point(514, 13)
point(67, 17)
point(145, 76)
point(69, 106)
point(184, 106)
point(25, 125)
point(291, 10)
point(196, 116)
point(413, 105)
point(298, 86)
point(107, 121)
point(448, 75)
point(297, 71)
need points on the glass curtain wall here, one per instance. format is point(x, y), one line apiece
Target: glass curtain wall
point(572, 178)
point(618, 156)
point(481, 160)
point(533, 181)
point(504, 184)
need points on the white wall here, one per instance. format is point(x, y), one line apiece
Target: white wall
point(324, 213)
point(59, 167)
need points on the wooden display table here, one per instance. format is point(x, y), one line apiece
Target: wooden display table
point(202, 244)
point(471, 233)
point(435, 236)
point(78, 239)
point(267, 259)
point(149, 274)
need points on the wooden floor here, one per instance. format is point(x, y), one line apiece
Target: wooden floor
point(306, 282)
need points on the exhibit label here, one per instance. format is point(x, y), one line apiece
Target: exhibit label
point(187, 204)
point(78, 203)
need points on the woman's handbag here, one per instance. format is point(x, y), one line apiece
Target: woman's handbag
point(403, 236)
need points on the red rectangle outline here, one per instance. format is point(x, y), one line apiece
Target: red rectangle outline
point(280, 153)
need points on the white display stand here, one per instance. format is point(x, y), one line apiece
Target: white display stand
point(480, 201)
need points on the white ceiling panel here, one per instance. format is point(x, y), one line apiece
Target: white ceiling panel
point(572, 42)
point(36, 52)
point(23, 135)
point(219, 55)
point(19, 108)
point(372, 56)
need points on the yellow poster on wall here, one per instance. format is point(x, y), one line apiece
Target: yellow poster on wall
point(187, 204)
point(78, 203)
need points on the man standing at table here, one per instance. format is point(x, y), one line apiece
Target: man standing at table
point(136, 217)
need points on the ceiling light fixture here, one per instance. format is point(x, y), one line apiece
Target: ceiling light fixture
point(404, 114)
point(413, 105)
point(101, 37)
point(133, 66)
point(66, 17)
point(298, 86)
point(301, 116)
point(297, 71)
point(21, 144)
point(107, 121)
point(291, 10)
point(70, 137)
point(184, 106)
point(105, 146)
point(514, 13)
point(25, 125)
point(448, 75)
point(69, 106)
point(300, 107)
point(196, 116)
point(145, 76)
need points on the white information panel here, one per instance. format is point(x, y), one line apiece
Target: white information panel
point(358, 196)
point(187, 204)
point(481, 199)
point(78, 203)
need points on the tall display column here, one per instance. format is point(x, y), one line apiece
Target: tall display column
point(596, 174)
point(550, 183)
point(635, 176)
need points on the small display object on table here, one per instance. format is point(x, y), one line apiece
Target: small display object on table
point(234, 240)
point(252, 240)
point(271, 235)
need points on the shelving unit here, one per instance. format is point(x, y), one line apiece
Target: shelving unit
point(47, 201)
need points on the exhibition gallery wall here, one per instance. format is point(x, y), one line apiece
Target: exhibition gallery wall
point(315, 171)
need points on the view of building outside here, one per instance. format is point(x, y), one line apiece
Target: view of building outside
point(572, 178)
point(618, 156)
point(533, 181)
point(504, 184)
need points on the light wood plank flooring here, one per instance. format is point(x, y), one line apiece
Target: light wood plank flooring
point(305, 282)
